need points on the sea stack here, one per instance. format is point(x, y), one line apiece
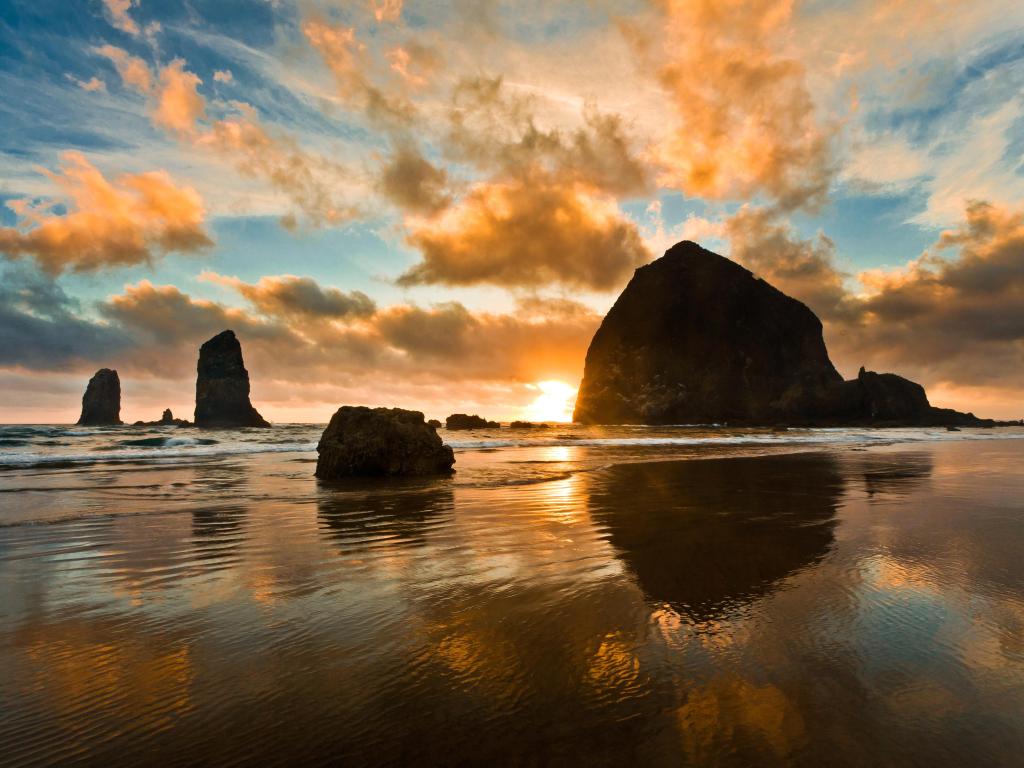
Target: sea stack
point(101, 403)
point(696, 339)
point(222, 386)
point(380, 442)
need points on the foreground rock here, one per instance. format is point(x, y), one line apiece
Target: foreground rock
point(695, 338)
point(374, 442)
point(463, 421)
point(101, 403)
point(222, 386)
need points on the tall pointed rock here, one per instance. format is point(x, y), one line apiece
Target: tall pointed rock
point(101, 403)
point(222, 386)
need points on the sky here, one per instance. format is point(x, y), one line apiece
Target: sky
point(430, 204)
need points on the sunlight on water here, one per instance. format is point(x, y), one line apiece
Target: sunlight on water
point(567, 603)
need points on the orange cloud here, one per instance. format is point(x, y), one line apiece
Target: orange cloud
point(386, 10)
point(413, 183)
point(298, 297)
point(747, 120)
point(528, 232)
point(179, 105)
point(106, 224)
point(117, 12)
point(134, 72)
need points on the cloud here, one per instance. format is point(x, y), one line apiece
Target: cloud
point(223, 76)
point(413, 183)
point(747, 120)
point(289, 296)
point(117, 12)
point(497, 131)
point(386, 10)
point(528, 232)
point(344, 55)
point(131, 221)
point(414, 62)
point(133, 71)
point(178, 105)
point(308, 179)
point(92, 85)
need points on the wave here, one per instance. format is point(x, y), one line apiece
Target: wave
point(183, 452)
point(162, 442)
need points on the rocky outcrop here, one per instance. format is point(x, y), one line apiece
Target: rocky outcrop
point(372, 442)
point(434, 423)
point(166, 420)
point(463, 421)
point(695, 338)
point(101, 403)
point(527, 425)
point(222, 386)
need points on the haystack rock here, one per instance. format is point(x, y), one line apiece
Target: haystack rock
point(101, 403)
point(695, 339)
point(464, 421)
point(375, 442)
point(222, 386)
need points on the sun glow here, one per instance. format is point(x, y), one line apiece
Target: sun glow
point(554, 403)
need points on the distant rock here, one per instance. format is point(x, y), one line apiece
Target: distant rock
point(463, 421)
point(101, 403)
point(222, 386)
point(434, 423)
point(527, 425)
point(166, 420)
point(370, 442)
point(695, 339)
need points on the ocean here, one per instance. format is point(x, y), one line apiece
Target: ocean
point(570, 596)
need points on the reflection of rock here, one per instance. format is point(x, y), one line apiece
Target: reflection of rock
point(368, 442)
point(398, 515)
point(896, 473)
point(704, 534)
point(464, 421)
point(222, 386)
point(101, 403)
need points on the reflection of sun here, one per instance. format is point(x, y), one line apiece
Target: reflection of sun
point(554, 403)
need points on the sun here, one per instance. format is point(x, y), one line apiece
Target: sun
point(554, 403)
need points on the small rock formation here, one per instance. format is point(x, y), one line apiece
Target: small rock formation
point(463, 421)
point(166, 420)
point(527, 425)
point(222, 386)
point(101, 403)
point(373, 442)
point(695, 339)
point(434, 423)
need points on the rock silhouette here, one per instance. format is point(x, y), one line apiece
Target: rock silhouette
point(222, 386)
point(166, 420)
point(370, 442)
point(695, 338)
point(101, 403)
point(464, 421)
point(527, 425)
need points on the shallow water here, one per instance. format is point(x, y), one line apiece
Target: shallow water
point(823, 597)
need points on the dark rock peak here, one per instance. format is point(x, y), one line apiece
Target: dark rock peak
point(101, 403)
point(464, 421)
point(167, 417)
point(434, 423)
point(222, 386)
point(696, 338)
point(369, 442)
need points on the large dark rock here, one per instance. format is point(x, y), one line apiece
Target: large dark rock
point(695, 338)
point(222, 386)
point(369, 442)
point(101, 403)
point(463, 421)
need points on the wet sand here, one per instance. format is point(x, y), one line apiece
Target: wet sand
point(842, 606)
